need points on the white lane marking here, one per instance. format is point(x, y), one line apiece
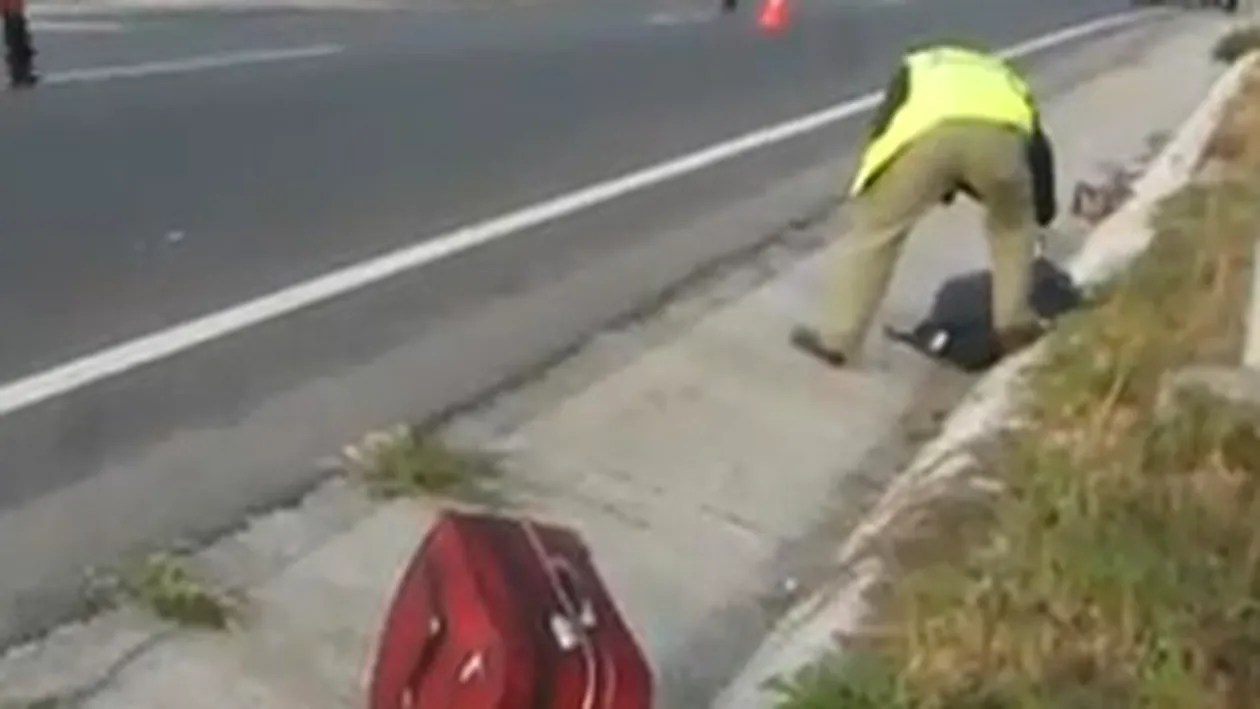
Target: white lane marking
point(100, 8)
point(75, 26)
point(186, 65)
point(81, 372)
point(668, 19)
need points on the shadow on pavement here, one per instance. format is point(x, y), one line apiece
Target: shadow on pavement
point(958, 329)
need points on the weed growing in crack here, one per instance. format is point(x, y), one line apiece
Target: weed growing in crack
point(164, 585)
point(403, 462)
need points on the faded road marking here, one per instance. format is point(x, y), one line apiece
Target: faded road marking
point(75, 26)
point(680, 18)
point(186, 65)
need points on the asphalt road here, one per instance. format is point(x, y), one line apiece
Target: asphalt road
point(131, 204)
point(269, 174)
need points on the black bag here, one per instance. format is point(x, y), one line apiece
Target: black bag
point(959, 328)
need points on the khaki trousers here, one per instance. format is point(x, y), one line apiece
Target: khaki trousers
point(989, 158)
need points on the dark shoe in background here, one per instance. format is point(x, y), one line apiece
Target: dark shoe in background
point(808, 340)
point(24, 81)
point(19, 53)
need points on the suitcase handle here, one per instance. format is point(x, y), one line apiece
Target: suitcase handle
point(577, 615)
point(577, 611)
point(574, 592)
point(576, 618)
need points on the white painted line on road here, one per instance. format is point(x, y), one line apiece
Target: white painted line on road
point(670, 19)
point(98, 8)
point(68, 377)
point(75, 26)
point(186, 65)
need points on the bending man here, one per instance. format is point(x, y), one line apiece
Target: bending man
point(953, 119)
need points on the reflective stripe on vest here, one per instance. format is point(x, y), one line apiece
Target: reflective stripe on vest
point(948, 84)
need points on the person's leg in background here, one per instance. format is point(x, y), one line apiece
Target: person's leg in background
point(994, 164)
point(19, 52)
point(884, 214)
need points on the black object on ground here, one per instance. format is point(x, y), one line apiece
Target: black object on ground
point(958, 330)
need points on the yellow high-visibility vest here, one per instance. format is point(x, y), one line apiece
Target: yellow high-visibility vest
point(949, 83)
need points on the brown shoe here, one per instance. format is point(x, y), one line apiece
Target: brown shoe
point(808, 340)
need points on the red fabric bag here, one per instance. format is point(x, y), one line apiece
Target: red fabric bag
point(499, 613)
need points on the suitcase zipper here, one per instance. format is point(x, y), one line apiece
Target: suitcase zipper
point(577, 617)
point(504, 538)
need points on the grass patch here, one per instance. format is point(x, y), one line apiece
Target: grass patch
point(163, 584)
point(1235, 145)
point(1120, 564)
point(1236, 43)
point(404, 462)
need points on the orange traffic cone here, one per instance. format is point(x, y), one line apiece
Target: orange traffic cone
point(774, 15)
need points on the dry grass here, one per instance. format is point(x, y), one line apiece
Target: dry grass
point(1236, 144)
point(1120, 567)
point(1236, 44)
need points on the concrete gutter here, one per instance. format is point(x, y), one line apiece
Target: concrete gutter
point(808, 632)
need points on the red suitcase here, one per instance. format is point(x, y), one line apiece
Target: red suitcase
point(498, 613)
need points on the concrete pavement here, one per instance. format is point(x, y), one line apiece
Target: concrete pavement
point(705, 473)
point(138, 198)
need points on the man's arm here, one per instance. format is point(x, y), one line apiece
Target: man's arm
point(1041, 164)
point(1019, 78)
point(895, 95)
point(1040, 155)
